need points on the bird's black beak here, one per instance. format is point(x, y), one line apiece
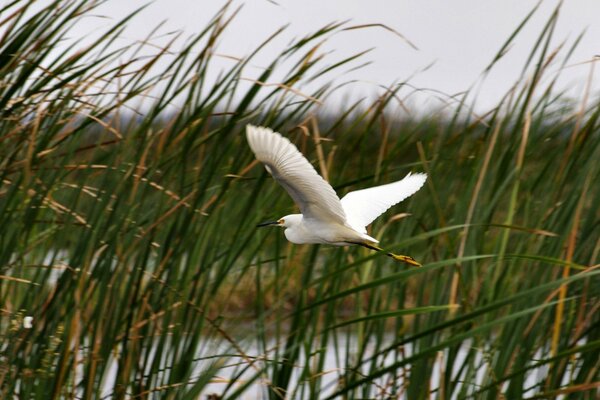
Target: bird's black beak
point(268, 223)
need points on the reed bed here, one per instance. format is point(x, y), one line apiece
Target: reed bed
point(128, 240)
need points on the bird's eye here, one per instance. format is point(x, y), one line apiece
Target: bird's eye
point(281, 221)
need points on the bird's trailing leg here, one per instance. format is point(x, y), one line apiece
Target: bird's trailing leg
point(405, 259)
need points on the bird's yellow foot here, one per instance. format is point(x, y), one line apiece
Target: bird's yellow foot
point(405, 259)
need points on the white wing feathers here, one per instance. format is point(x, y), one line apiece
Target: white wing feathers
point(313, 195)
point(363, 206)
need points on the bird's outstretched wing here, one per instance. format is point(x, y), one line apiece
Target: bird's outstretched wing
point(363, 206)
point(315, 197)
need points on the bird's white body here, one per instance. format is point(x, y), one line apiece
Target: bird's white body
point(301, 230)
point(325, 219)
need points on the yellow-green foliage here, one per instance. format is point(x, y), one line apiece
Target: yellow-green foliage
point(129, 236)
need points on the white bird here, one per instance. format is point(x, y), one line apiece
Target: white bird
point(326, 219)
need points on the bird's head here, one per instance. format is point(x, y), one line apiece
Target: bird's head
point(285, 222)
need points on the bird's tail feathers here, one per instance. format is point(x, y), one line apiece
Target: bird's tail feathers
point(369, 238)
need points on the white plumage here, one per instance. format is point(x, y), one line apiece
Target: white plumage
point(325, 218)
point(315, 197)
point(363, 206)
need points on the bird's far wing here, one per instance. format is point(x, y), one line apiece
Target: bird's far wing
point(315, 197)
point(363, 206)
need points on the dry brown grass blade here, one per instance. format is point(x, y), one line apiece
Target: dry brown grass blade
point(167, 214)
point(150, 183)
point(319, 149)
point(571, 243)
point(535, 231)
point(387, 28)
point(61, 209)
point(471, 209)
point(567, 390)
point(285, 87)
point(247, 168)
point(20, 280)
point(106, 126)
point(383, 147)
point(548, 299)
point(432, 190)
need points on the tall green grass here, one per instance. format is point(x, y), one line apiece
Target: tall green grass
point(128, 235)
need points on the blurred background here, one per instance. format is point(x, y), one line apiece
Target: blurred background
point(437, 45)
point(130, 262)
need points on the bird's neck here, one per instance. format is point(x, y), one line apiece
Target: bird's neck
point(295, 232)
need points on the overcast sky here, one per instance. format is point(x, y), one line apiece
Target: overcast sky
point(459, 37)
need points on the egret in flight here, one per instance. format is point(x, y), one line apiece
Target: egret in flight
point(326, 219)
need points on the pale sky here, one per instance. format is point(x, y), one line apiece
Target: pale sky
point(460, 37)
